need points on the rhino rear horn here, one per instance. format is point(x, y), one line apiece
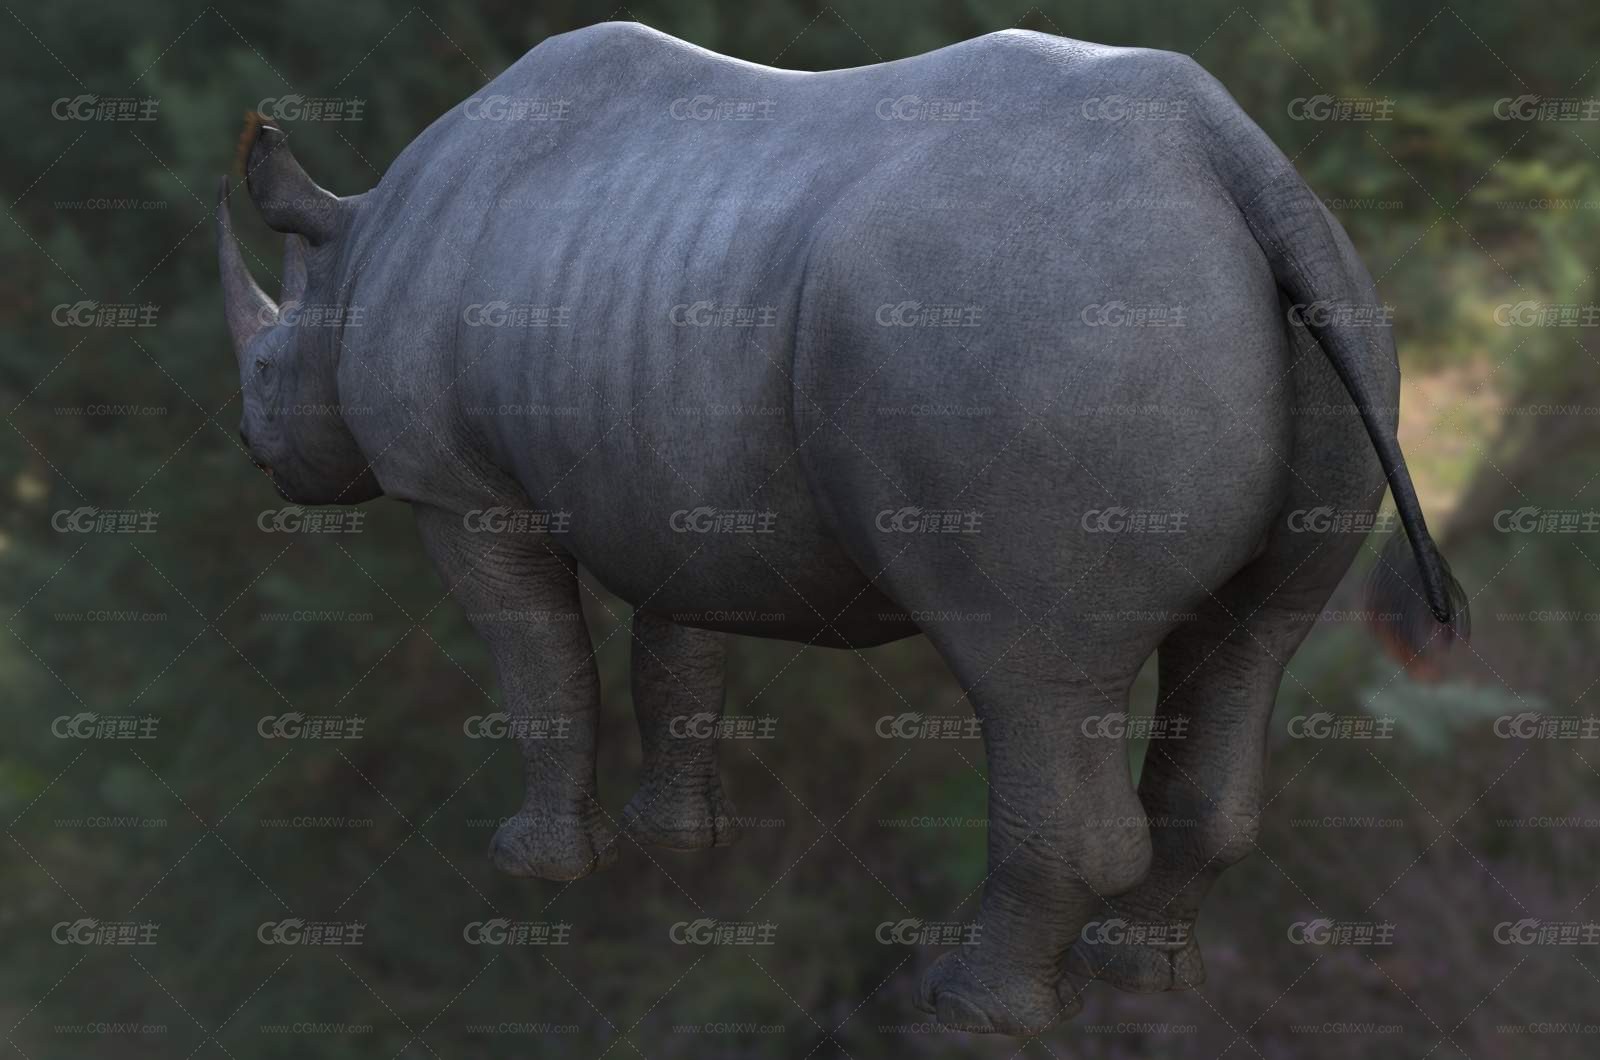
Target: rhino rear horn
point(288, 199)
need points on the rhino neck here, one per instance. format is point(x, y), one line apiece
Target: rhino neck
point(333, 468)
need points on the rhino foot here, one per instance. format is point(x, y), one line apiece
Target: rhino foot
point(680, 818)
point(1138, 968)
point(966, 994)
point(552, 846)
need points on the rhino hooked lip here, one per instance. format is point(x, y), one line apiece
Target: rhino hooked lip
point(244, 440)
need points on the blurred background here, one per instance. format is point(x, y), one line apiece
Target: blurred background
point(1470, 181)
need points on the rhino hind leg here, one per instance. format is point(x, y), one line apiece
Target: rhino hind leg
point(510, 589)
point(677, 699)
point(1203, 790)
point(540, 845)
point(1141, 968)
point(1064, 832)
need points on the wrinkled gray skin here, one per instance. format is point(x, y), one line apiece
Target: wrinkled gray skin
point(840, 199)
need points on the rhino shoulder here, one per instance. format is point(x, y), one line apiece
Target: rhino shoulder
point(621, 41)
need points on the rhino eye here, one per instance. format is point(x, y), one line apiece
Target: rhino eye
point(263, 366)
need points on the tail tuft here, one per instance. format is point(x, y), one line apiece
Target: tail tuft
point(1398, 607)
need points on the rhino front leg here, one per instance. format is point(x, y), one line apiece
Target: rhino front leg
point(677, 698)
point(523, 599)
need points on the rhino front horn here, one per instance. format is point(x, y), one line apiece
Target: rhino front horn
point(248, 309)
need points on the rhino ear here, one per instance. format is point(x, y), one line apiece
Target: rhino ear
point(289, 200)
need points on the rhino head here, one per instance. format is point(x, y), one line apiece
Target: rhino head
point(293, 425)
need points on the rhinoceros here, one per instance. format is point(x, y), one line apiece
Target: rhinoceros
point(1035, 347)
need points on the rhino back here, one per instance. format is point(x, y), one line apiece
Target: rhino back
point(655, 219)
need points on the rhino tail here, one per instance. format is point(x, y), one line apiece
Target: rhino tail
point(1413, 601)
